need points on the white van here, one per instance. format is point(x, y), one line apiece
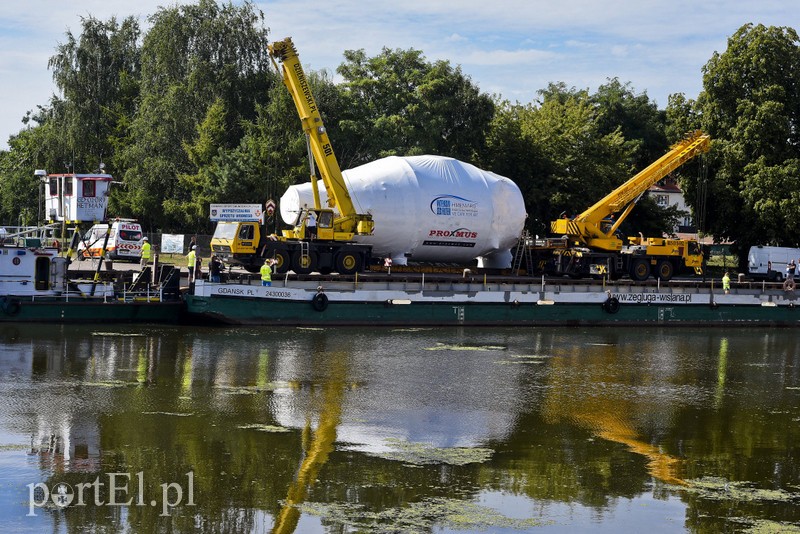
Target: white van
point(124, 241)
point(770, 262)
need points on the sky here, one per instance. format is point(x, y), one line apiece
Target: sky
point(510, 48)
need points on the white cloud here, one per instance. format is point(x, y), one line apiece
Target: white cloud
point(523, 58)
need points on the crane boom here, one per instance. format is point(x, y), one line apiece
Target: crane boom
point(291, 70)
point(587, 227)
point(322, 237)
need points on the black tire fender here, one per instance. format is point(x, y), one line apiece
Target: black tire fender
point(320, 302)
point(611, 305)
point(11, 306)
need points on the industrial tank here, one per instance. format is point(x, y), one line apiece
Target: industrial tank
point(429, 208)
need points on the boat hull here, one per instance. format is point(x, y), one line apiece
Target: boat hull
point(22, 310)
point(250, 305)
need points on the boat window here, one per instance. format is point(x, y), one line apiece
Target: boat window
point(53, 186)
point(67, 186)
point(88, 188)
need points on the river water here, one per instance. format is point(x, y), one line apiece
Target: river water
point(146, 429)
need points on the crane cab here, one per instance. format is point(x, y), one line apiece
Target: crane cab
point(313, 224)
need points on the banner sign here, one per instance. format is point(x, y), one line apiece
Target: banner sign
point(237, 212)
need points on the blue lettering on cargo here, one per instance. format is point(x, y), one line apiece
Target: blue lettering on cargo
point(451, 205)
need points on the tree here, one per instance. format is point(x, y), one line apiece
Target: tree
point(638, 119)
point(585, 163)
point(513, 151)
point(194, 58)
point(97, 75)
point(403, 105)
point(750, 105)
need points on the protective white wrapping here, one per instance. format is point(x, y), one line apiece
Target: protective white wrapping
point(429, 208)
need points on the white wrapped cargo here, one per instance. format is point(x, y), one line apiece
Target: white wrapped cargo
point(429, 208)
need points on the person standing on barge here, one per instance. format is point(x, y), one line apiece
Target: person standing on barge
point(266, 273)
point(191, 262)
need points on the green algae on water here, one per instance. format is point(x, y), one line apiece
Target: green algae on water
point(423, 453)
point(419, 516)
point(720, 489)
point(14, 447)
point(763, 526)
point(110, 384)
point(252, 390)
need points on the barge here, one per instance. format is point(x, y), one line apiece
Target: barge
point(456, 302)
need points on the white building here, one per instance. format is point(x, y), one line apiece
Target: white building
point(668, 193)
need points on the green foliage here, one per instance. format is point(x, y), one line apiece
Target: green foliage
point(403, 106)
point(585, 164)
point(637, 118)
point(751, 106)
point(650, 219)
point(193, 58)
point(97, 75)
point(513, 150)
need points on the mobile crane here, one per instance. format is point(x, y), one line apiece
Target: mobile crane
point(589, 244)
point(321, 240)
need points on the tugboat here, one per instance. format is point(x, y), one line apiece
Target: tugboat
point(35, 287)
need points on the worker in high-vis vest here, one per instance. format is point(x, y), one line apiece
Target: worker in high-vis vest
point(145, 252)
point(191, 260)
point(266, 273)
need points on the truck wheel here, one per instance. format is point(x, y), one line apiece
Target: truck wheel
point(665, 270)
point(348, 262)
point(304, 263)
point(282, 262)
point(640, 269)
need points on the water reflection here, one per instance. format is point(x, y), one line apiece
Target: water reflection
point(318, 430)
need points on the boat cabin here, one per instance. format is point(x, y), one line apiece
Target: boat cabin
point(29, 267)
point(75, 197)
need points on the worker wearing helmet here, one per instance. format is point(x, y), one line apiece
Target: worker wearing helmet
point(145, 252)
point(266, 273)
point(191, 260)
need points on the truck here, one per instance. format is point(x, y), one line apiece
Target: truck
point(589, 244)
point(124, 241)
point(320, 239)
point(769, 263)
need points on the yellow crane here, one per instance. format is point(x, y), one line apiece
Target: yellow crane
point(322, 237)
point(349, 222)
point(590, 245)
